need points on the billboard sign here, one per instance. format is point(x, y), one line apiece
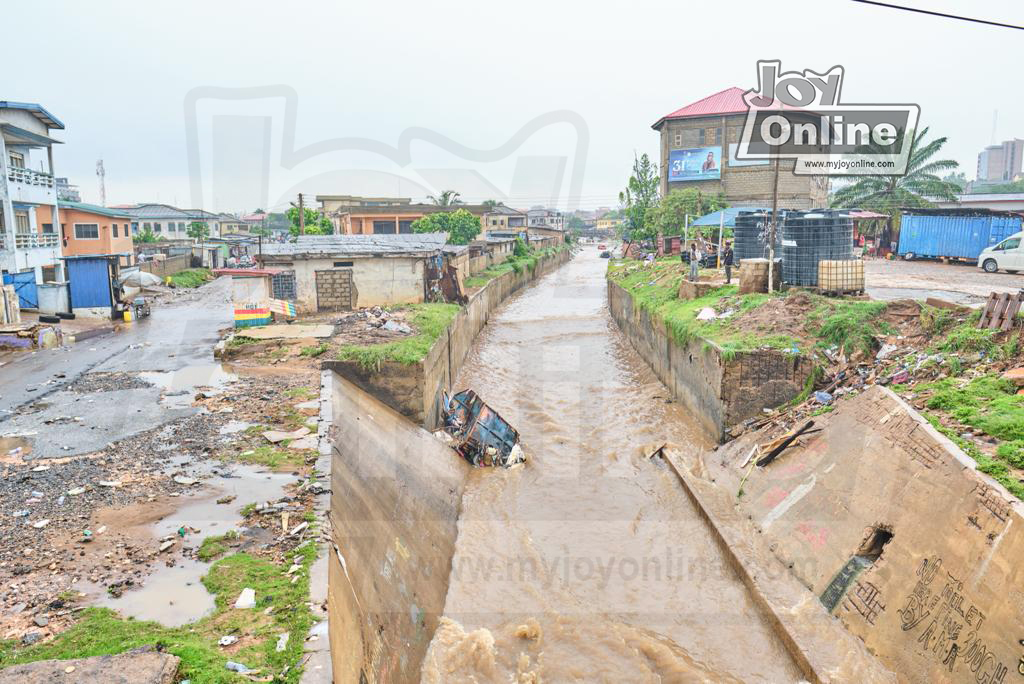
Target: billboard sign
point(695, 164)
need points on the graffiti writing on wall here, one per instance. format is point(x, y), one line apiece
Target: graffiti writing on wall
point(947, 625)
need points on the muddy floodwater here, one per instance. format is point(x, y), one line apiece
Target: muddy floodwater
point(589, 563)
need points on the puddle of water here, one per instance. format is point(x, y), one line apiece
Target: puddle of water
point(14, 450)
point(179, 386)
point(175, 596)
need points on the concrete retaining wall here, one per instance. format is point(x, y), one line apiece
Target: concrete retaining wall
point(414, 391)
point(396, 494)
point(718, 392)
point(945, 599)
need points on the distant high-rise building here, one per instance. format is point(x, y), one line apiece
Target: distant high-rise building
point(1002, 162)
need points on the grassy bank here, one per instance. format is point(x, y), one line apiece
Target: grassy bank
point(514, 264)
point(191, 277)
point(101, 631)
point(800, 320)
point(428, 319)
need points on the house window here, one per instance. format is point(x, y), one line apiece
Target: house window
point(147, 226)
point(181, 227)
point(48, 229)
point(87, 231)
point(17, 160)
point(405, 227)
point(21, 224)
point(342, 264)
point(157, 228)
point(135, 227)
point(383, 227)
point(709, 136)
point(678, 139)
point(49, 274)
point(113, 230)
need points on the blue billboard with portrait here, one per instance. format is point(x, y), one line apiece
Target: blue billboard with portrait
point(696, 164)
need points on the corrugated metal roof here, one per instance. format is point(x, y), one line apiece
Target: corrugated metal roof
point(728, 101)
point(715, 218)
point(401, 243)
point(37, 110)
point(94, 209)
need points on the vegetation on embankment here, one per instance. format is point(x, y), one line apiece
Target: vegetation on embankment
point(428, 319)
point(191, 277)
point(517, 263)
point(799, 321)
point(100, 631)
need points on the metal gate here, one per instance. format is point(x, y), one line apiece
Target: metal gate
point(25, 285)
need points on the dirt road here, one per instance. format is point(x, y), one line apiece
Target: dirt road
point(962, 283)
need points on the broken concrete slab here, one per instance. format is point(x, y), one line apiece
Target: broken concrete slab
point(304, 443)
point(297, 332)
point(275, 436)
point(894, 532)
point(126, 668)
point(1015, 375)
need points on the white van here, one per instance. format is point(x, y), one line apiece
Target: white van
point(1008, 255)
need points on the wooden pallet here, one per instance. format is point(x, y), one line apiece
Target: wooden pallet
point(1000, 311)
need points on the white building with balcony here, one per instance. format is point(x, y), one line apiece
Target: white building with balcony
point(26, 183)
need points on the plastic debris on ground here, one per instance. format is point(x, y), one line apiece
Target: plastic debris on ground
point(478, 433)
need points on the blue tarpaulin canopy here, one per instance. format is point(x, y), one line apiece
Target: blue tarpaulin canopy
point(715, 217)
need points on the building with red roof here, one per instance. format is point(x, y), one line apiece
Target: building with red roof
point(698, 150)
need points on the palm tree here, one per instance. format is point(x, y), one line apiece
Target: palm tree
point(888, 193)
point(447, 198)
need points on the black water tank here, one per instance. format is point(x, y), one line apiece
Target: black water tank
point(809, 237)
point(750, 236)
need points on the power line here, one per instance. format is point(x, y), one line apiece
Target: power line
point(943, 15)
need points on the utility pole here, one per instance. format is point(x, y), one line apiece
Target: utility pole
point(302, 216)
point(102, 175)
point(774, 227)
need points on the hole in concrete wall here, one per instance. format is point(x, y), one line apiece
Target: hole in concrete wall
point(874, 542)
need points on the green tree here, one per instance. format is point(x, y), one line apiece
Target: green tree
point(147, 236)
point(574, 223)
point(958, 179)
point(315, 223)
point(640, 197)
point(197, 230)
point(888, 193)
point(460, 225)
point(490, 203)
point(669, 217)
point(447, 198)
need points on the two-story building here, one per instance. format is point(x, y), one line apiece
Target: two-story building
point(91, 229)
point(501, 218)
point(352, 215)
point(169, 222)
point(698, 150)
point(29, 247)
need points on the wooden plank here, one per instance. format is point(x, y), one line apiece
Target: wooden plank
point(999, 311)
point(1012, 309)
point(986, 311)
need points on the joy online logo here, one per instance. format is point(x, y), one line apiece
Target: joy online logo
point(799, 116)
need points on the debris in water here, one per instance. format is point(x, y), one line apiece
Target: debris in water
point(166, 545)
point(226, 499)
point(182, 480)
point(482, 436)
point(530, 630)
point(246, 600)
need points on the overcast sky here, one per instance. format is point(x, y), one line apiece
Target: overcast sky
point(531, 102)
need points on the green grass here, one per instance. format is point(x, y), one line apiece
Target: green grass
point(315, 350)
point(655, 290)
point(271, 457)
point(848, 324)
point(213, 547)
point(299, 393)
point(514, 264)
point(429, 320)
point(100, 631)
point(997, 469)
point(987, 403)
point(968, 338)
point(191, 277)
point(237, 341)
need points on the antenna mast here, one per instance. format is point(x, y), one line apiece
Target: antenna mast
point(102, 175)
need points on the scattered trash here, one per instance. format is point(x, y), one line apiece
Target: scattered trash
point(900, 378)
point(20, 514)
point(282, 642)
point(707, 314)
point(823, 398)
point(166, 545)
point(69, 669)
point(395, 326)
point(482, 436)
point(226, 499)
point(182, 480)
point(40, 524)
point(39, 469)
point(228, 640)
point(76, 491)
point(298, 528)
point(886, 351)
point(275, 436)
point(236, 667)
point(246, 600)
point(110, 483)
point(41, 620)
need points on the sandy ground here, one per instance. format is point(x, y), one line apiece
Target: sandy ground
point(963, 283)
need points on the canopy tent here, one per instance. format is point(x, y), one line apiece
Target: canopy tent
point(714, 219)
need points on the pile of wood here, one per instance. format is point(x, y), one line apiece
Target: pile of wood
point(1001, 309)
point(10, 309)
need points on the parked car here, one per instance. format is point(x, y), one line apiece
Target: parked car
point(1008, 255)
point(606, 254)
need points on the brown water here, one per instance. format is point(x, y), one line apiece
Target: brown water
point(588, 563)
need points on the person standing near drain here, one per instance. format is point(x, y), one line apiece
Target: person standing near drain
point(695, 257)
point(727, 261)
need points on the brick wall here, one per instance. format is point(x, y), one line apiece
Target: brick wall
point(334, 290)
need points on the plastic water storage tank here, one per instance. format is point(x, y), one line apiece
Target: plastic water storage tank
point(809, 237)
point(749, 239)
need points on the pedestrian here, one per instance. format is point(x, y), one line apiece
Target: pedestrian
point(695, 256)
point(727, 261)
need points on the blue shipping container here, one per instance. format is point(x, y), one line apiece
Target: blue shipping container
point(953, 236)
